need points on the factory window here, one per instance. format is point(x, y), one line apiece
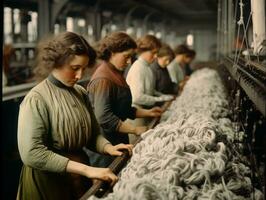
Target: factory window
point(20, 35)
point(190, 40)
point(151, 32)
point(105, 30)
point(7, 25)
point(81, 22)
point(20, 25)
point(113, 27)
point(32, 26)
point(69, 24)
point(77, 25)
point(89, 34)
point(90, 30)
point(81, 26)
point(139, 32)
point(16, 18)
point(130, 30)
point(158, 35)
point(56, 28)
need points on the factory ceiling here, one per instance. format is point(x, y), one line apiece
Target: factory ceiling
point(178, 10)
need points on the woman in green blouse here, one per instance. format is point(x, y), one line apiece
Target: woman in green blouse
point(56, 121)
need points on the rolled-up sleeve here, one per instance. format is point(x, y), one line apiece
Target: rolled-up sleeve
point(33, 134)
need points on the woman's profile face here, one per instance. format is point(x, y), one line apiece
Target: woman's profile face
point(164, 61)
point(72, 71)
point(150, 55)
point(121, 59)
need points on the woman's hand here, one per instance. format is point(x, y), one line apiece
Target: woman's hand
point(155, 112)
point(114, 150)
point(181, 85)
point(186, 78)
point(104, 174)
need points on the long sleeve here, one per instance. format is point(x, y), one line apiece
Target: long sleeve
point(33, 137)
point(172, 72)
point(98, 141)
point(100, 92)
point(140, 81)
point(180, 74)
point(139, 95)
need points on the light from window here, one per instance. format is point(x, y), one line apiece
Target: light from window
point(151, 32)
point(90, 30)
point(32, 27)
point(190, 40)
point(113, 27)
point(81, 22)
point(8, 25)
point(158, 35)
point(69, 24)
point(17, 21)
point(130, 30)
point(56, 29)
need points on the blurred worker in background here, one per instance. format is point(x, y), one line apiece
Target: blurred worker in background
point(163, 82)
point(56, 121)
point(110, 94)
point(176, 69)
point(141, 81)
point(187, 69)
point(140, 77)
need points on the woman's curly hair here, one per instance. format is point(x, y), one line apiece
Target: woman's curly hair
point(114, 43)
point(56, 51)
